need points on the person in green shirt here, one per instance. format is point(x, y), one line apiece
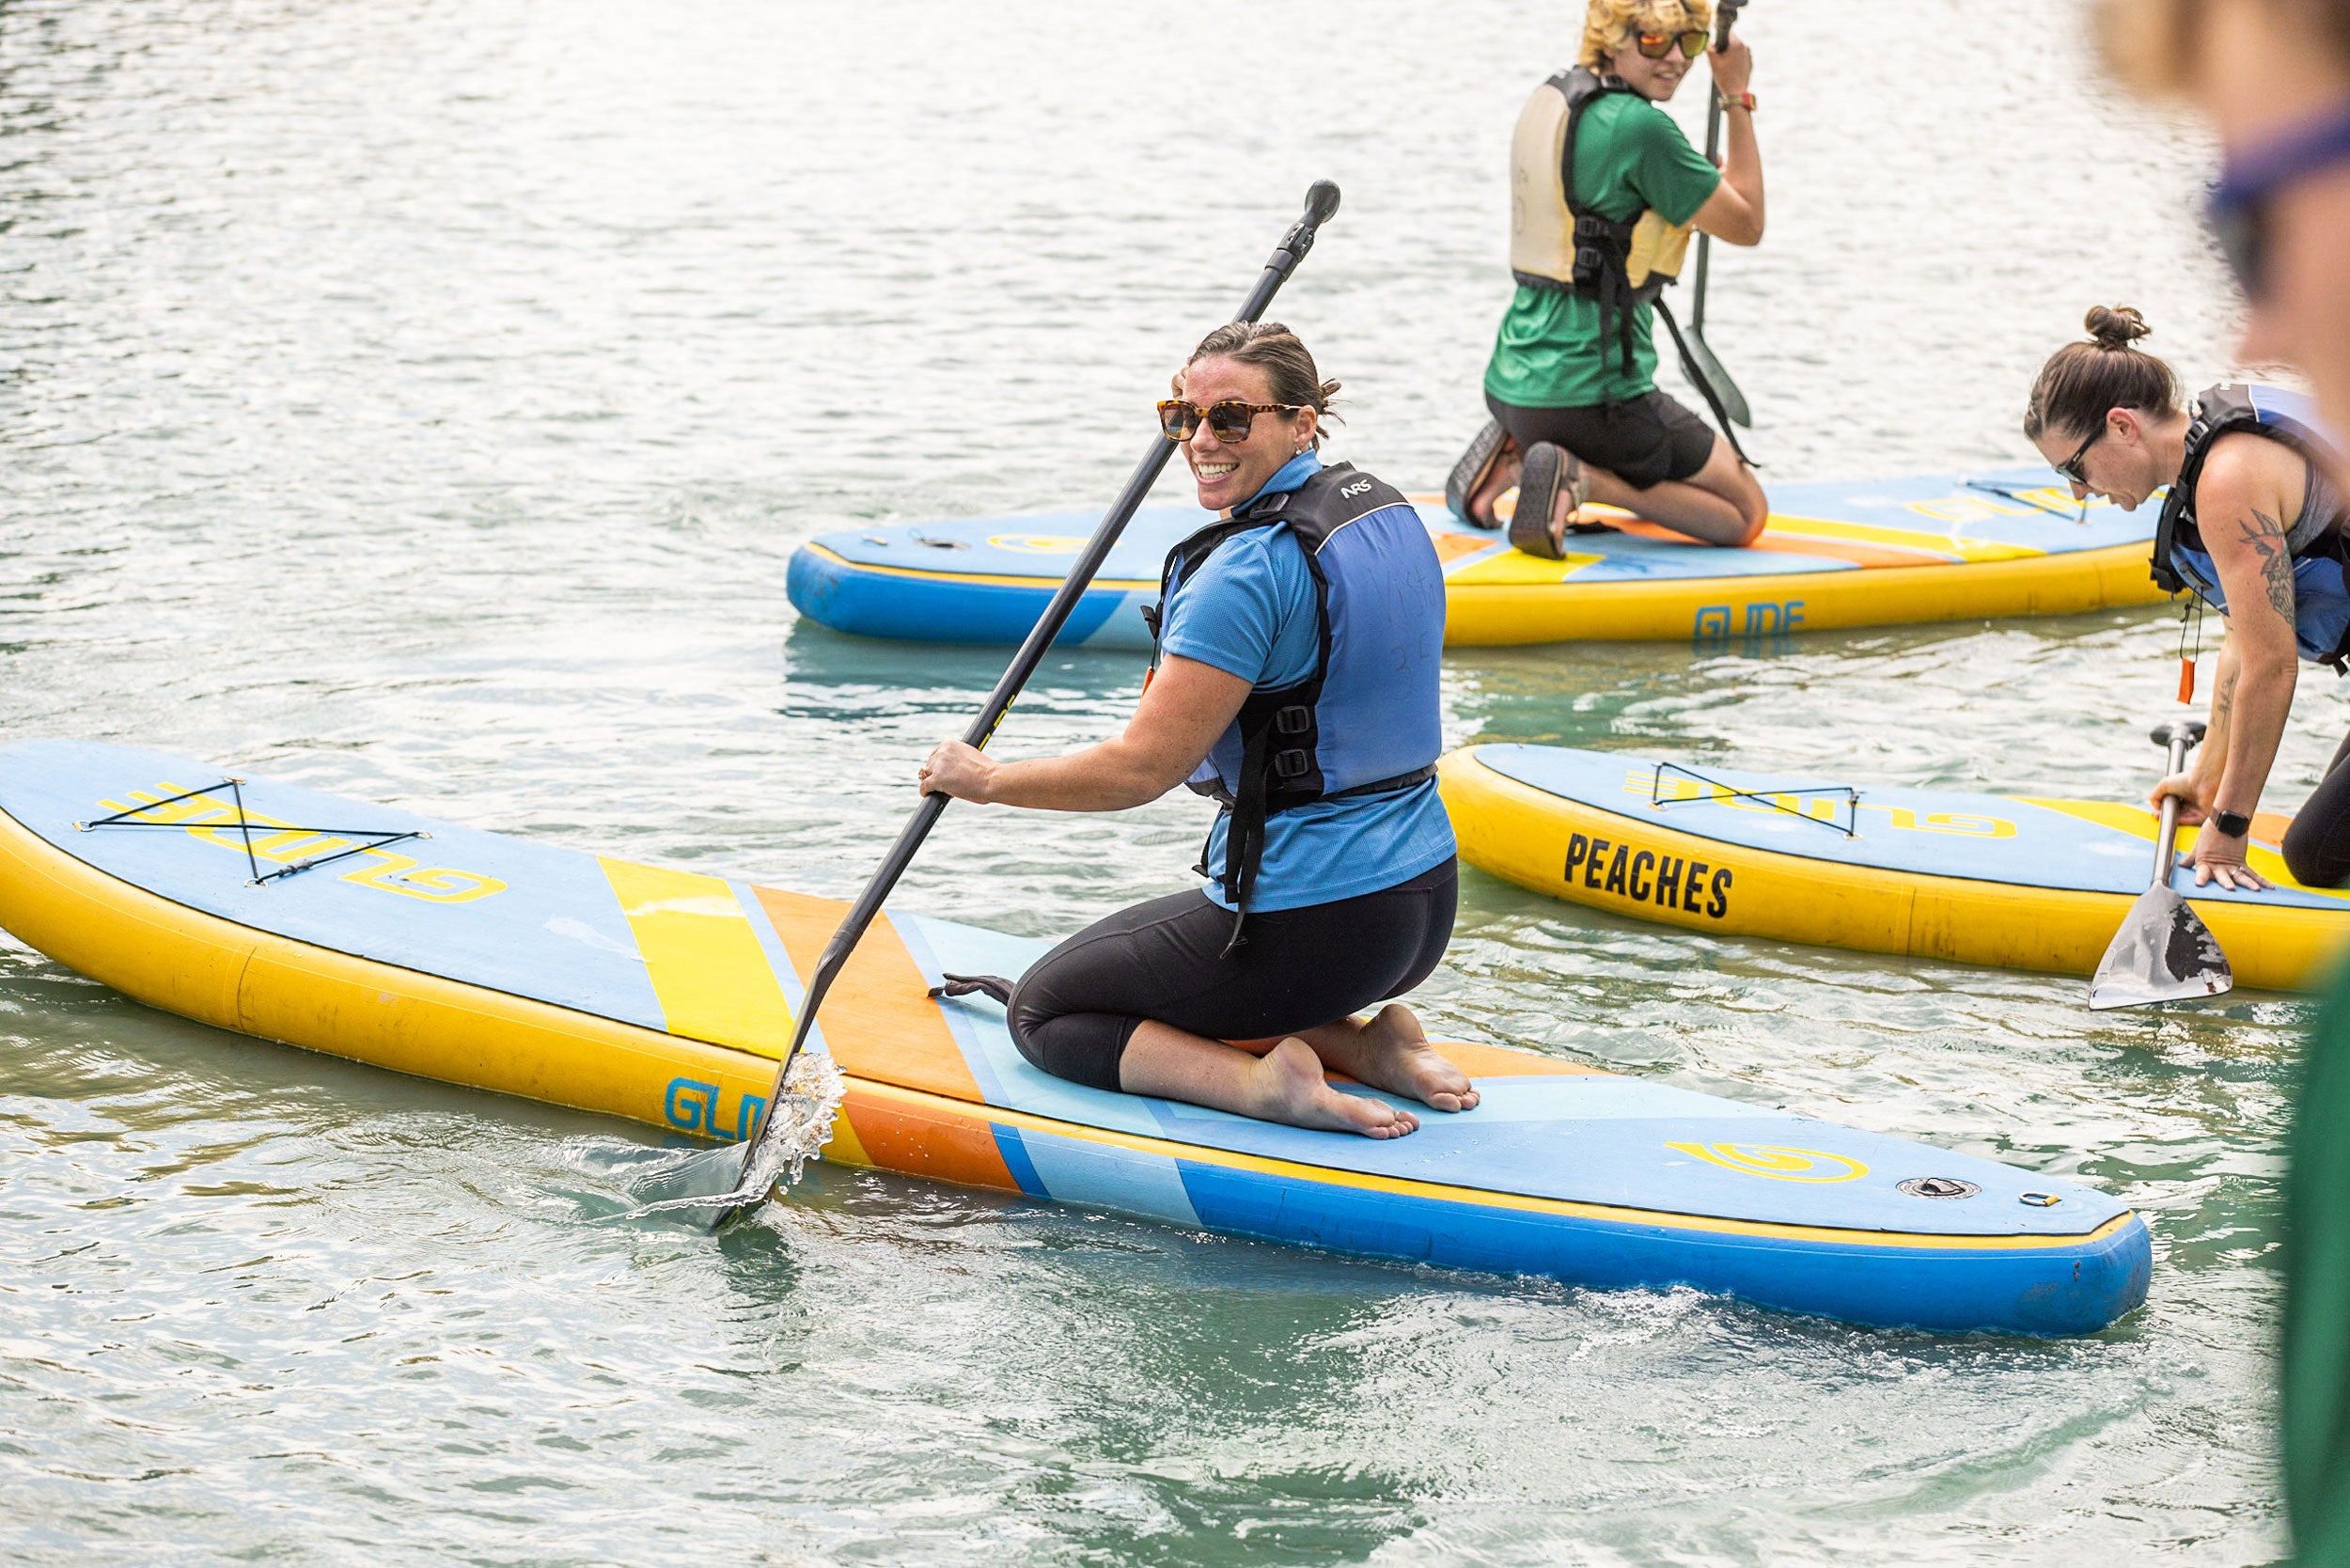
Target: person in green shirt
point(1576, 415)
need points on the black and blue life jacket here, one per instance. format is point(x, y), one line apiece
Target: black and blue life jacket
point(2320, 589)
point(1368, 719)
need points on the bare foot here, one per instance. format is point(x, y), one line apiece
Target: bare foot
point(1395, 1055)
point(1289, 1079)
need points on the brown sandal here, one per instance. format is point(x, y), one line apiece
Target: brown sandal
point(1470, 474)
point(1548, 471)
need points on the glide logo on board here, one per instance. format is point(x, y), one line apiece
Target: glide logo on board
point(1644, 876)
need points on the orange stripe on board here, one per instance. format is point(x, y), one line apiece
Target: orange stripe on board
point(894, 1134)
point(879, 1019)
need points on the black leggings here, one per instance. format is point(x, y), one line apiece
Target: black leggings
point(1076, 1009)
point(2317, 845)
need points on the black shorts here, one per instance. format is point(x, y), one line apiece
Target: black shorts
point(1074, 1011)
point(2317, 845)
point(1643, 441)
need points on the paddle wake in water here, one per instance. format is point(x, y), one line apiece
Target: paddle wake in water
point(719, 1179)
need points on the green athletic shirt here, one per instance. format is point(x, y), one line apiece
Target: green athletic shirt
point(1629, 155)
point(2315, 1364)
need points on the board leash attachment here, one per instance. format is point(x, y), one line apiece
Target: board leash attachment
point(763, 1157)
point(375, 838)
point(1849, 827)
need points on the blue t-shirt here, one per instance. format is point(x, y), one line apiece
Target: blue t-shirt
point(1249, 611)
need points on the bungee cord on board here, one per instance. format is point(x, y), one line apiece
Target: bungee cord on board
point(1775, 799)
point(375, 839)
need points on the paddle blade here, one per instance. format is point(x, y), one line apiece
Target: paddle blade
point(2163, 953)
point(1703, 366)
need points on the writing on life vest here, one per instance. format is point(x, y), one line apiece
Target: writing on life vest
point(1645, 876)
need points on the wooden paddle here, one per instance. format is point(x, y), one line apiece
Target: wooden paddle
point(764, 1156)
point(2163, 952)
point(1696, 357)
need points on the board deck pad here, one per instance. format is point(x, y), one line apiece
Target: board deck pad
point(1816, 528)
point(2021, 840)
point(722, 959)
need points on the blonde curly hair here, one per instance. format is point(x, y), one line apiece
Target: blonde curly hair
point(1608, 27)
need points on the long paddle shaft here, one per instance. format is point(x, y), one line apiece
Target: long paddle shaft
point(1321, 201)
point(2167, 837)
point(1703, 367)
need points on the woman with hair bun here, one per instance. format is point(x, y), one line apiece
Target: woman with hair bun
point(2255, 527)
point(1294, 680)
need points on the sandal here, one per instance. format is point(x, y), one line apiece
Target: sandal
point(1548, 471)
point(1470, 474)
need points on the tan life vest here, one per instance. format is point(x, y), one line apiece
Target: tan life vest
point(1544, 248)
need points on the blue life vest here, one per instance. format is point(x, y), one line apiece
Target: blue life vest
point(2321, 592)
point(1369, 719)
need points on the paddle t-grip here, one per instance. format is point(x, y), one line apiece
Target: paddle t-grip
point(1725, 18)
point(1321, 201)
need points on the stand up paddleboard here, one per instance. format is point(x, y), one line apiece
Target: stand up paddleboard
point(666, 996)
point(1851, 554)
point(2023, 883)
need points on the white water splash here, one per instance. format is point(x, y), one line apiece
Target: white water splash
point(801, 1123)
point(797, 1130)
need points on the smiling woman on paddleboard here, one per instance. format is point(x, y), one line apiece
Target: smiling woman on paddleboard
point(1604, 193)
point(2253, 526)
point(1294, 680)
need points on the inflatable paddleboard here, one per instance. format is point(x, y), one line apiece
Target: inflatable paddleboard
point(2020, 881)
point(1872, 553)
point(666, 996)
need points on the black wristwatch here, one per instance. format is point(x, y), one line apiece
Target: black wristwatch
point(2236, 825)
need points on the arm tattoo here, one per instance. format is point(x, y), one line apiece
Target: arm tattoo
point(2267, 539)
point(2223, 699)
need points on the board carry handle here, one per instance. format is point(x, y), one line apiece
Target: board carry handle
point(1321, 201)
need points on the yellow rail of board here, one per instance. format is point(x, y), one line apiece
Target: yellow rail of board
point(1520, 834)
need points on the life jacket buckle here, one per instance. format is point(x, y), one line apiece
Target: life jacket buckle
point(1292, 763)
point(1295, 719)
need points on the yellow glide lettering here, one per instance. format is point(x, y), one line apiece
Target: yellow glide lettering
point(1777, 1162)
point(214, 820)
point(1038, 544)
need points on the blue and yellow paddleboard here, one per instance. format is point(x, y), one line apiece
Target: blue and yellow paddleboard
point(1872, 553)
point(666, 996)
point(2021, 882)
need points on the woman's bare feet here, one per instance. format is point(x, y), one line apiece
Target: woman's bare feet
point(1289, 1078)
point(1394, 1055)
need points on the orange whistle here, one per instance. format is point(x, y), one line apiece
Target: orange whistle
point(2186, 680)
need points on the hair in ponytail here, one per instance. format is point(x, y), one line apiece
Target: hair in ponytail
point(2082, 381)
point(1275, 350)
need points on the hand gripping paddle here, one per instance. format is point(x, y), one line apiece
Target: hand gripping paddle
point(2163, 952)
point(764, 1156)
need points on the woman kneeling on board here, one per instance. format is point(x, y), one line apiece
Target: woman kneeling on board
point(2255, 528)
point(1572, 386)
point(1296, 681)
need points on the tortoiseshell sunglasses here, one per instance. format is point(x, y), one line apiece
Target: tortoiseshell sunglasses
point(1227, 421)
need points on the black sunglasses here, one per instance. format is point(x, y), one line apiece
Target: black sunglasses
point(2249, 183)
point(2071, 468)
